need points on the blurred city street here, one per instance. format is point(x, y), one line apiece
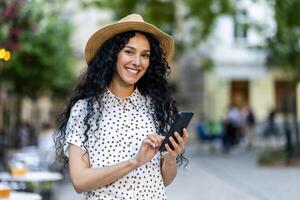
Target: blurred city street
point(236, 66)
point(215, 176)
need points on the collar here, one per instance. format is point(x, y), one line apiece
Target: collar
point(109, 99)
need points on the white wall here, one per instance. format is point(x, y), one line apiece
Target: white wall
point(228, 52)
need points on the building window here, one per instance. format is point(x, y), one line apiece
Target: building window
point(285, 96)
point(241, 26)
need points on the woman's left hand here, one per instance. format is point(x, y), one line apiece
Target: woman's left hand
point(178, 147)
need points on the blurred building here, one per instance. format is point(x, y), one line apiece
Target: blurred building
point(239, 74)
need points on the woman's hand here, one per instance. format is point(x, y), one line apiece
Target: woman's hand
point(149, 148)
point(168, 162)
point(178, 147)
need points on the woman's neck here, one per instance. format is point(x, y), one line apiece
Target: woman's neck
point(121, 91)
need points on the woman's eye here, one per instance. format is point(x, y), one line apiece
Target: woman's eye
point(146, 55)
point(128, 52)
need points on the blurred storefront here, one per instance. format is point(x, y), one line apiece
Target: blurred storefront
point(240, 76)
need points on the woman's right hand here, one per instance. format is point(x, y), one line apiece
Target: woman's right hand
point(150, 146)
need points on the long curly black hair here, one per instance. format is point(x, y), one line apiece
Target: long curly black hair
point(94, 81)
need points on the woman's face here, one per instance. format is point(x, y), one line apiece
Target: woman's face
point(132, 61)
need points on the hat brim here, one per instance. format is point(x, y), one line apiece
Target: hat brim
point(99, 37)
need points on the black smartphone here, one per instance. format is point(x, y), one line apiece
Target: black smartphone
point(181, 121)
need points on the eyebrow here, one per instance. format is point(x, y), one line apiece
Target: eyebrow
point(130, 47)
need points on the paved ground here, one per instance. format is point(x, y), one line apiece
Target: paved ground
point(228, 176)
point(214, 176)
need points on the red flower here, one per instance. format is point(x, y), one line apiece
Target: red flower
point(15, 31)
point(8, 10)
point(11, 10)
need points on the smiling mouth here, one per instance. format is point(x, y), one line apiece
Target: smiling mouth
point(132, 70)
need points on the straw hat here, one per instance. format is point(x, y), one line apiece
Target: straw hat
point(133, 22)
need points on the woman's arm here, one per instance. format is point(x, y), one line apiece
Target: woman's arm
point(169, 170)
point(85, 178)
point(168, 162)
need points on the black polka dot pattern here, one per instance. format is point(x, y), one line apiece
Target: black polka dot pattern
point(118, 136)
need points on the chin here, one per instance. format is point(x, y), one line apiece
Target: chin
point(131, 81)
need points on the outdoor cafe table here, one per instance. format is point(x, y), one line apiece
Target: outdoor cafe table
point(38, 177)
point(32, 176)
point(23, 196)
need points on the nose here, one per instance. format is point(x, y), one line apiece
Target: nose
point(136, 60)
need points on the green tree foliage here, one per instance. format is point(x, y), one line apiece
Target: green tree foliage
point(164, 14)
point(284, 46)
point(284, 53)
point(206, 12)
point(38, 38)
point(160, 13)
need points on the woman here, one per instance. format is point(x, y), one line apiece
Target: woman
point(114, 123)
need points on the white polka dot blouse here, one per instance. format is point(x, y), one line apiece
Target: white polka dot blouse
point(114, 137)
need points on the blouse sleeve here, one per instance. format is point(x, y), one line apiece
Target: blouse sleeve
point(75, 127)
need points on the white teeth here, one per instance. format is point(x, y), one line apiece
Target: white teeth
point(132, 70)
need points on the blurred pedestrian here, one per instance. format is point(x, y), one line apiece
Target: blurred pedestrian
point(46, 144)
point(271, 128)
point(201, 127)
point(208, 130)
point(232, 128)
point(23, 135)
point(248, 125)
point(114, 122)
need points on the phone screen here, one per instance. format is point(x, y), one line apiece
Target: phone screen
point(181, 121)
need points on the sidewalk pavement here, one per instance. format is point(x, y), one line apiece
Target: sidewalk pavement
point(214, 176)
point(195, 183)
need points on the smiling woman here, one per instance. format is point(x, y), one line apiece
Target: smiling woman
point(132, 62)
point(112, 129)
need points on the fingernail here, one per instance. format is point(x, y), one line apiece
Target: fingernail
point(162, 137)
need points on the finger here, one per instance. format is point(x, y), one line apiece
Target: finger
point(150, 138)
point(155, 139)
point(170, 151)
point(176, 147)
point(179, 139)
point(149, 142)
point(162, 137)
point(186, 135)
